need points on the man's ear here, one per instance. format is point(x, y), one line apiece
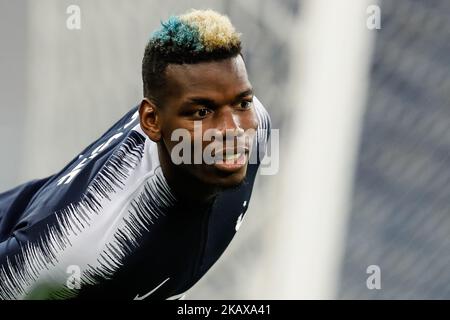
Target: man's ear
point(150, 120)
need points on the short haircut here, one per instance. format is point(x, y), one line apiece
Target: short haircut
point(196, 36)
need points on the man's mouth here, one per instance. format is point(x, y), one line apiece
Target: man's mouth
point(232, 157)
point(231, 160)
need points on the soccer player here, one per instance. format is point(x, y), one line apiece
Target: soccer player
point(148, 208)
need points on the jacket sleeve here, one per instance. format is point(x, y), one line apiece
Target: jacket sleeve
point(13, 204)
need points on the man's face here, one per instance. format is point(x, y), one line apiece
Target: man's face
point(217, 95)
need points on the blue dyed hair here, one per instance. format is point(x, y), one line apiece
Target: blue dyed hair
point(179, 41)
point(176, 36)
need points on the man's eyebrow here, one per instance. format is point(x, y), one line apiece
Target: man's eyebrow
point(212, 103)
point(200, 101)
point(243, 94)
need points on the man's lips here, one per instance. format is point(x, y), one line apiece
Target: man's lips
point(232, 166)
point(231, 160)
point(229, 154)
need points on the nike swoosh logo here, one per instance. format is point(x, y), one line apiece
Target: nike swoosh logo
point(146, 295)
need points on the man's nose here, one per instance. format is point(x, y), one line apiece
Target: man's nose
point(228, 124)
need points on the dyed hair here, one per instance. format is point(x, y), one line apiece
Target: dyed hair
point(197, 36)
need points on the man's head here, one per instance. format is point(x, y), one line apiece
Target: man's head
point(194, 74)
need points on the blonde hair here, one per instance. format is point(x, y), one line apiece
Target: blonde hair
point(193, 37)
point(215, 29)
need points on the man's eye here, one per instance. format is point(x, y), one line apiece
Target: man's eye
point(245, 104)
point(202, 112)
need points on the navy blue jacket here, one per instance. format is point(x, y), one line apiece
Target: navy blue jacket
point(107, 225)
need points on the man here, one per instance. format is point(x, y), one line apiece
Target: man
point(142, 213)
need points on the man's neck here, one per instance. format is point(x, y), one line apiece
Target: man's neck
point(186, 188)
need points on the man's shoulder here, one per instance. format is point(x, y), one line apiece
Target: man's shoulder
point(264, 120)
point(107, 159)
